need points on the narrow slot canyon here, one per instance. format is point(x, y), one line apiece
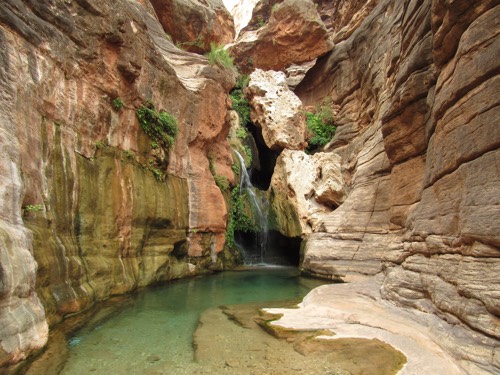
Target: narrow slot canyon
point(249, 187)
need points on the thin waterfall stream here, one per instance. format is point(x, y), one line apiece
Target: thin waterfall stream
point(260, 209)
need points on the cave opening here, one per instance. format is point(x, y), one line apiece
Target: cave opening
point(278, 250)
point(263, 168)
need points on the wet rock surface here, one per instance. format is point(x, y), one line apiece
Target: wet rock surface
point(84, 192)
point(245, 348)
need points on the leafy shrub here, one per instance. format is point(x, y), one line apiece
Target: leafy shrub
point(220, 56)
point(241, 133)
point(242, 81)
point(117, 104)
point(248, 154)
point(321, 125)
point(161, 126)
point(222, 182)
point(100, 144)
point(34, 207)
point(238, 219)
point(198, 42)
point(236, 168)
point(239, 100)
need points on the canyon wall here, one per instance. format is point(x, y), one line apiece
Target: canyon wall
point(415, 91)
point(90, 206)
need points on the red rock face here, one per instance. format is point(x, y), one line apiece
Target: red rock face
point(343, 17)
point(194, 24)
point(293, 34)
point(416, 89)
point(83, 192)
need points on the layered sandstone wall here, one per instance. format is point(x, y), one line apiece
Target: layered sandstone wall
point(89, 208)
point(416, 90)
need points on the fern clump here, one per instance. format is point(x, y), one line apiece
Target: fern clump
point(321, 127)
point(220, 56)
point(161, 126)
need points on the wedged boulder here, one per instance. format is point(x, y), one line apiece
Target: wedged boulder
point(277, 110)
point(293, 34)
point(194, 24)
point(305, 188)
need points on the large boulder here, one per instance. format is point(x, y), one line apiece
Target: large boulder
point(304, 188)
point(293, 34)
point(277, 110)
point(194, 24)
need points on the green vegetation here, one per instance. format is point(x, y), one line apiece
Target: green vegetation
point(100, 144)
point(198, 42)
point(161, 126)
point(157, 173)
point(321, 126)
point(238, 219)
point(221, 181)
point(236, 168)
point(34, 207)
point(241, 133)
point(117, 104)
point(220, 56)
point(240, 102)
point(248, 154)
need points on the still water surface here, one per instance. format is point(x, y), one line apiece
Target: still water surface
point(160, 322)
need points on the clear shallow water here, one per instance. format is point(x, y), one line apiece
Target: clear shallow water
point(159, 324)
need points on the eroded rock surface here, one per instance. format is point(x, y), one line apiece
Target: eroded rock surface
point(304, 188)
point(293, 34)
point(277, 110)
point(194, 24)
point(415, 88)
point(84, 191)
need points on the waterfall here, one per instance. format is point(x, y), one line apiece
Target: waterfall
point(260, 209)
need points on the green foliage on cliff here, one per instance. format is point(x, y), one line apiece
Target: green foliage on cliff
point(117, 104)
point(34, 207)
point(238, 220)
point(161, 126)
point(321, 126)
point(239, 101)
point(221, 181)
point(220, 56)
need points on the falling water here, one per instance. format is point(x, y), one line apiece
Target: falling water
point(260, 210)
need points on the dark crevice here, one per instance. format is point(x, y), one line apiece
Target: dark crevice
point(280, 250)
point(264, 168)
